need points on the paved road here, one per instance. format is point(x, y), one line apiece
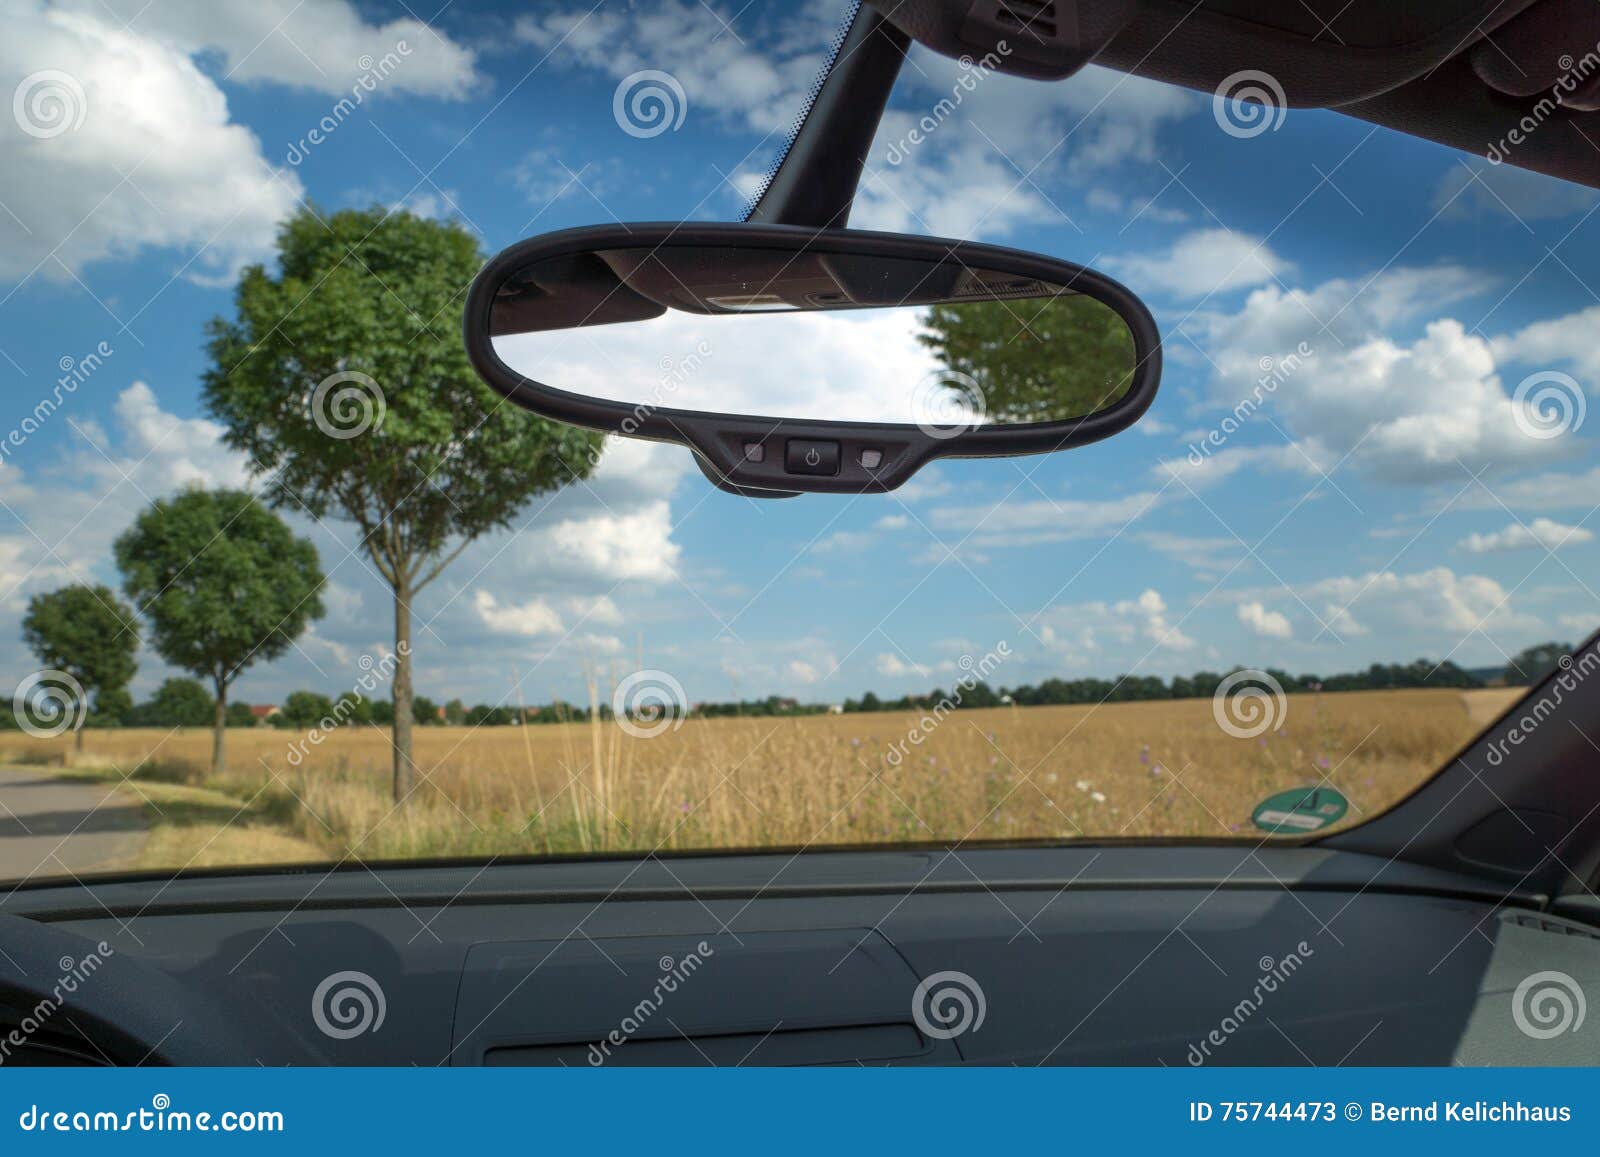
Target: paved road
point(51, 826)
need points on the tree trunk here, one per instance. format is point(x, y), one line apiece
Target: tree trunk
point(77, 732)
point(404, 769)
point(220, 729)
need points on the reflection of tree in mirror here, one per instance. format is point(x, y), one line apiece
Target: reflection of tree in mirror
point(1074, 356)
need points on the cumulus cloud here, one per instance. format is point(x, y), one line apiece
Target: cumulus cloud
point(1540, 534)
point(534, 617)
point(1401, 409)
point(131, 147)
point(315, 44)
point(1202, 263)
point(1074, 630)
point(1270, 624)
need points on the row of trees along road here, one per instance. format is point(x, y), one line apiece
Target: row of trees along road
point(221, 582)
point(433, 460)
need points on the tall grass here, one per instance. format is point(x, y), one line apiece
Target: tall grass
point(1127, 769)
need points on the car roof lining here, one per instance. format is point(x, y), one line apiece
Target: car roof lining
point(1430, 68)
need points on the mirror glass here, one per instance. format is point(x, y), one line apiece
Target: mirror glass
point(812, 335)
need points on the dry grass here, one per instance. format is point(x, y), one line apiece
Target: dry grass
point(1131, 769)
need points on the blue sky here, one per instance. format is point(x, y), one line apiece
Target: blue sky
point(1396, 496)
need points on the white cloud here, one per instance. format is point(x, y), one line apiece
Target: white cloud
point(803, 672)
point(892, 666)
point(534, 617)
point(1541, 533)
point(1261, 621)
point(315, 44)
point(1425, 409)
point(154, 162)
point(1202, 263)
point(1434, 600)
point(721, 72)
point(1074, 630)
point(1567, 340)
point(1009, 151)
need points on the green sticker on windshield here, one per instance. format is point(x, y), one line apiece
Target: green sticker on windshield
point(1300, 810)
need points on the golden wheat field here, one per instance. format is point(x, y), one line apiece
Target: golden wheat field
point(1120, 770)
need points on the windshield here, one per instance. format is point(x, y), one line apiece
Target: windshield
point(283, 582)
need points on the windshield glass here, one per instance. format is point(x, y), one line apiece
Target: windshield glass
point(284, 582)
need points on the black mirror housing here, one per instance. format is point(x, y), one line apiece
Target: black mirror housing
point(613, 275)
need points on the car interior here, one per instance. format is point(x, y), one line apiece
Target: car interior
point(1401, 938)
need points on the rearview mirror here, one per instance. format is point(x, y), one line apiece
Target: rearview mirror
point(795, 359)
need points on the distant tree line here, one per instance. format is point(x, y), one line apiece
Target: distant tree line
point(181, 702)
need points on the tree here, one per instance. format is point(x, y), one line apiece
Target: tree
point(241, 715)
point(223, 582)
point(1071, 358)
point(1532, 664)
point(424, 711)
point(345, 379)
point(307, 708)
point(111, 707)
point(91, 635)
point(176, 703)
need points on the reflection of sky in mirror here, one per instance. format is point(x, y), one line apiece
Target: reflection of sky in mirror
point(854, 365)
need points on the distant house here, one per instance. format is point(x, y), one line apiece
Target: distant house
point(262, 712)
point(836, 709)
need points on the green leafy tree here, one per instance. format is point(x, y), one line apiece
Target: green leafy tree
point(344, 378)
point(176, 703)
point(425, 711)
point(89, 633)
point(224, 584)
point(1532, 664)
point(240, 715)
point(1073, 357)
point(111, 707)
point(307, 708)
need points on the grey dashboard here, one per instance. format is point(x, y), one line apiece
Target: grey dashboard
point(1062, 955)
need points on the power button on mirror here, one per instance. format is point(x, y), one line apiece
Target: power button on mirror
point(803, 456)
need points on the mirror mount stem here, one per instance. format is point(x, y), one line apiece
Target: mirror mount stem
point(815, 182)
